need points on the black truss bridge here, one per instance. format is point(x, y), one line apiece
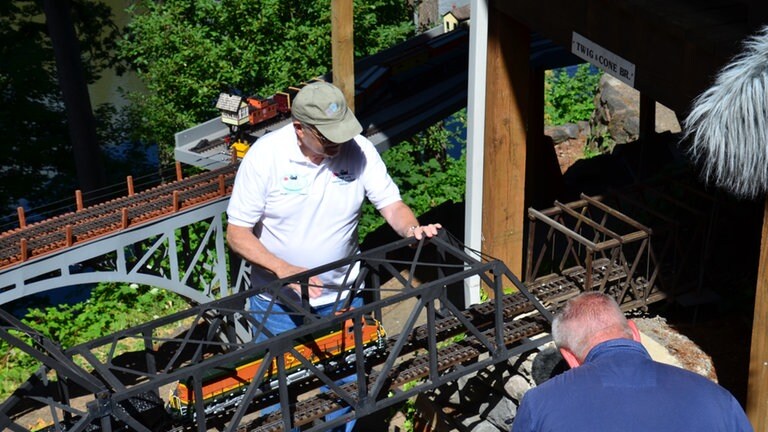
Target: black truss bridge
point(196, 371)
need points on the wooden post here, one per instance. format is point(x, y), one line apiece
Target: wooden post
point(647, 131)
point(79, 199)
point(342, 49)
point(22, 217)
point(505, 140)
point(176, 201)
point(179, 173)
point(129, 180)
point(544, 181)
point(757, 386)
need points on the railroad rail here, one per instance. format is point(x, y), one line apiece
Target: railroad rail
point(54, 234)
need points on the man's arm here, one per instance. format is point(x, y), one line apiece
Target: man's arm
point(401, 218)
point(248, 246)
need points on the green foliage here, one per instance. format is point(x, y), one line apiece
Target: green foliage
point(111, 307)
point(186, 53)
point(422, 169)
point(598, 142)
point(569, 99)
point(409, 408)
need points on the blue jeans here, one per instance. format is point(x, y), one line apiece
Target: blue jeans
point(281, 321)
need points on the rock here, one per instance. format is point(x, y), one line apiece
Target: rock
point(477, 424)
point(616, 119)
point(499, 411)
point(516, 386)
point(568, 131)
point(685, 352)
point(557, 133)
point(474, 392)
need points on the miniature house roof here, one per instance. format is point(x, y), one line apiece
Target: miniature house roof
point(460, 13)
point(230, 103)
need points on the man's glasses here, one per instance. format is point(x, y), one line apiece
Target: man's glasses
point(323, 140)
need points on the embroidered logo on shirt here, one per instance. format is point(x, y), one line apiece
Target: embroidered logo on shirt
point(343, 176)
point(294, 184)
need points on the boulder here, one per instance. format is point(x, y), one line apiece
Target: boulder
point(616, 119)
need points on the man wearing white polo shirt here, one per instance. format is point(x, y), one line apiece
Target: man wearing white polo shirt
point(297, 198)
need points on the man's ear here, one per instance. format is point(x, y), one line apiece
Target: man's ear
point(570, 357)
point(635, 331)
point(299, 128)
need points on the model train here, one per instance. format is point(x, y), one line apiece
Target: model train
point(398, 73)
point(244, 114)
point(225, 387)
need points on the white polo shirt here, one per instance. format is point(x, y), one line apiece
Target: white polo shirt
point(304, 213)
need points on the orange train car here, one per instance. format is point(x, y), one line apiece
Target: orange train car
point(224, 387)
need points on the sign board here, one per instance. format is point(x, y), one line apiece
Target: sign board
point(600, 57)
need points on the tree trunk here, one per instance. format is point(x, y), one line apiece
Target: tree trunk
point(82, 124)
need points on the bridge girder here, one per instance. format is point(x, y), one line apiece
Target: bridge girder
point(159, 253)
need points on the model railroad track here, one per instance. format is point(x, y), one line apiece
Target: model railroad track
point(521, 321)
point(252, 133)
point(410, 370)
point(411, 367)
point(95, 221)
point(206, 145)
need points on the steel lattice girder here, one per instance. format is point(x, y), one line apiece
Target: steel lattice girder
point(209, 342)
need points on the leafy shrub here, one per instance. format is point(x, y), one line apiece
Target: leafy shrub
point(570, 98)
point(111, 307)
point(424, 171)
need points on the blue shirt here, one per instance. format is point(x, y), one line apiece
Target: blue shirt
point(619, 388)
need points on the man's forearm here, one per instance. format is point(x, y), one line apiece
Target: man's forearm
point(243, 242)
point(401, 218)
point(248, 246)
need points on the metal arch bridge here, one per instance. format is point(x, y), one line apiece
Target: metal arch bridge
point(168, 259)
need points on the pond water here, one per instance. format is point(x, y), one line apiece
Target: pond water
point(108, 88)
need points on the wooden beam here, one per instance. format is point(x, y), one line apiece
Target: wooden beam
point(342, 49)
point(544, 181)
point(507, 81)
point(757, 386)
point(647, 132)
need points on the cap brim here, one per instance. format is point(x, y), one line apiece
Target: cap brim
point(343, 131)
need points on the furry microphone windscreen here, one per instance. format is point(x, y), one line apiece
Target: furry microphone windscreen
point(728, 123)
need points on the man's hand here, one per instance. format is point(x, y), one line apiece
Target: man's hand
point(422, 231)
point(315, 284)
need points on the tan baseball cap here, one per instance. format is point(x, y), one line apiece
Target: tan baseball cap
point(323, 106)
